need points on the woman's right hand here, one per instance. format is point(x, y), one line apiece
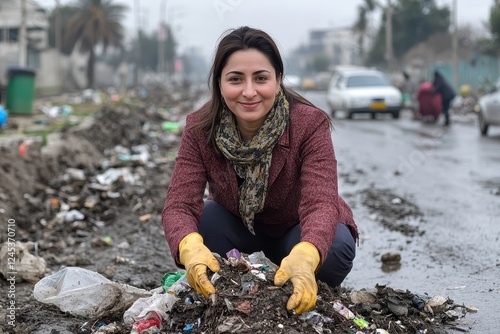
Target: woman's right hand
point(196, 257)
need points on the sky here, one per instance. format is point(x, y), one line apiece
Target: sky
point(201, 22)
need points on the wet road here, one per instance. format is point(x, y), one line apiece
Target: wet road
point(453, 176)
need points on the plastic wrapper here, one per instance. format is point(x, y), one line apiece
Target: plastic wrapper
point(86, 293)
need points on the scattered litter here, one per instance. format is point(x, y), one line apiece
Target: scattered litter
point(346, 313)
point(102, 241)
point(145, 217)
point(436, 304)
point(459, 287)
point(169, 279)
point(18, 264)
point(69, 216)
point(171, 126)
point(152, 322)
point(112, 328)
point(396, 201)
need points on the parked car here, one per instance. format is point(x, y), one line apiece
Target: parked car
point(363, 90)
point(488, 109)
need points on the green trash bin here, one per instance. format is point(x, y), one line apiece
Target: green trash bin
point(20, 90)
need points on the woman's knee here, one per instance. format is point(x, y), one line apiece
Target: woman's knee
point(340, 258)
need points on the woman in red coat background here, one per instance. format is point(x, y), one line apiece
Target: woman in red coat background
point(267, 156)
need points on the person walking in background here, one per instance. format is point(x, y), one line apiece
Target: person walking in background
point(267, 156)
point(442, 87)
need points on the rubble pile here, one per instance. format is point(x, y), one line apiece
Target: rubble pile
point(248, 302)
point(88, 170)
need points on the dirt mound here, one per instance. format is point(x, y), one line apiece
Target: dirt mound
point(248, 302)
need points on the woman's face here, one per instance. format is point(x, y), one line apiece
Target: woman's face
point(249, 87)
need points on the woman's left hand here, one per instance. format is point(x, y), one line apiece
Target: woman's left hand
point(299, 267)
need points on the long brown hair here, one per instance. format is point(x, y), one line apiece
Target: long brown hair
point(242, 38)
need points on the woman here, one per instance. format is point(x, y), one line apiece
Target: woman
point(267, 156)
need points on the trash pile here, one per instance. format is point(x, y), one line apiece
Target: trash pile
point(246, 301)
point(91, 196)
point(112, 151)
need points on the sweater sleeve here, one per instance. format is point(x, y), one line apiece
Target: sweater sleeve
point(184, 201)
point(320, 208)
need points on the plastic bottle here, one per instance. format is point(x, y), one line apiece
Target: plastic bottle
point(152, 319)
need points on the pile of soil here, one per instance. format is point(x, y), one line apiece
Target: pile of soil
point(246, 303)
point(114, 171)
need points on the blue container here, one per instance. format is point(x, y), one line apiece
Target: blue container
point(4, 116)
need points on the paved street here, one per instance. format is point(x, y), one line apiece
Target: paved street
point(452, 175)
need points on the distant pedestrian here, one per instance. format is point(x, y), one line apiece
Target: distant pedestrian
point(410, 89)
point(267, 156)
point(442, 87)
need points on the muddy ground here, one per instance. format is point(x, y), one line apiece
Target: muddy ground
point(92, 198)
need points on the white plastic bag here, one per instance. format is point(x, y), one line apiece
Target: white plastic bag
point(86, 293)
point(161, 303)
point(16, 257)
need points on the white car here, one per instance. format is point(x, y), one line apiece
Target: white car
point(363, 90)
point(488, 109)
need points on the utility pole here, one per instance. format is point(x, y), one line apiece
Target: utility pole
point(23, 36)
point(162, 37)
point(58, 44)
point(138, 50)
point(388, 37)
point(455, 45)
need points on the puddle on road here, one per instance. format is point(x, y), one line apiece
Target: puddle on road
point(426, 133)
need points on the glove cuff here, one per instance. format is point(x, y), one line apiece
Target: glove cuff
point(309, 252)
point(187, 243)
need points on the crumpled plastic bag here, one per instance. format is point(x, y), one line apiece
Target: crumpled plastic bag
point(27, 267)
point(160, 302)
point(85, 293)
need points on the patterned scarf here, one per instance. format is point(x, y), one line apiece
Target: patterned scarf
point(252, 160)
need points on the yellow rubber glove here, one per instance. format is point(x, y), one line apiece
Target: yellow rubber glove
point(196, 257)
point(299, 267)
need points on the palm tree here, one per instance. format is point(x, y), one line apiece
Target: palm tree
point(361, 24)
point(96, 23)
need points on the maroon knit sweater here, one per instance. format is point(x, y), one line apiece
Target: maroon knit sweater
point(302, 183)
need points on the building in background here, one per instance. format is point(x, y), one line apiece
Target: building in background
point(55, 72)
point(325, 49)
point(36, 43)
point(341, 47)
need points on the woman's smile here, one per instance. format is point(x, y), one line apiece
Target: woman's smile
point(250, 105)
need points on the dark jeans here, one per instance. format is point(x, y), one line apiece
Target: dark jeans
point(223, 231)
